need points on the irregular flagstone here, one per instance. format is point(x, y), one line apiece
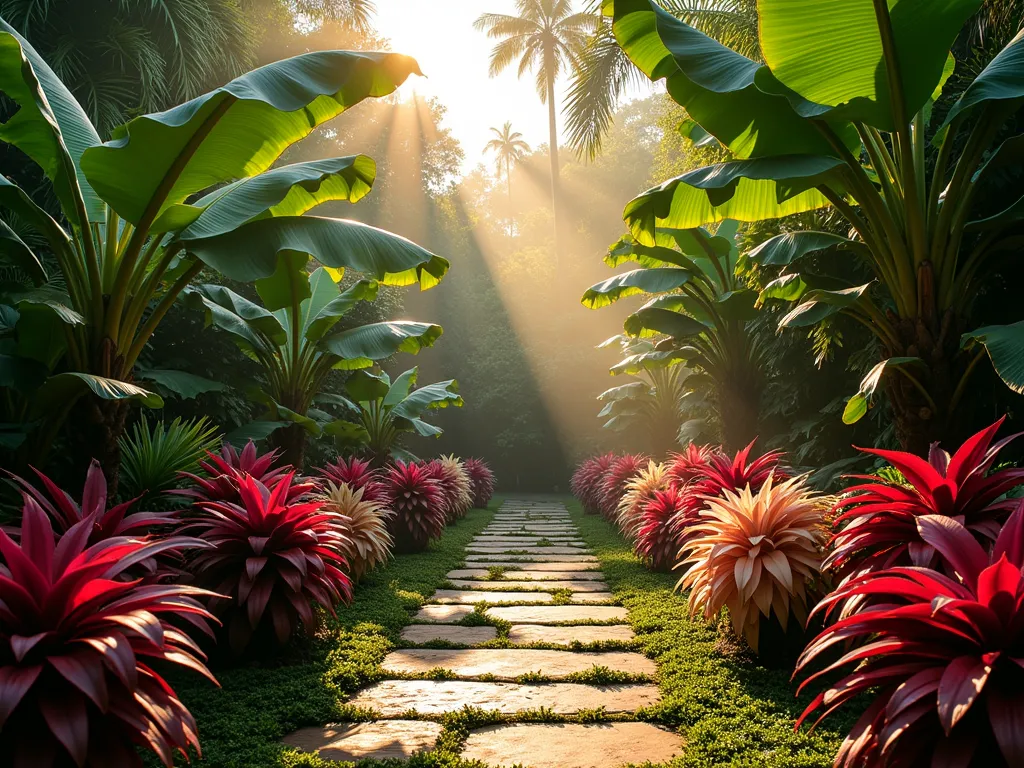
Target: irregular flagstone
point(470, 597)
point(510, 663)
point(425, 633)
point(483, 557)
point(477, 549)
point(558, 614)
point(528, 541)
point(524, 634)
point(434, 697)
point(592, 597)
point(572, 745)
point(394, 739)
point(575, 586)
point(563, 574)
point(444, 614)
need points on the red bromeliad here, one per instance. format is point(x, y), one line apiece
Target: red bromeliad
point(588, 480)
point(482, 481)
point(944, 656)
point(77, 640)
point(271, 557)
point(224, 474)
point(613, 485)
point(877, 527)
point(684, 468)
point(358, 474)
point(656, 543)
point(418, 505)
point(65, 512)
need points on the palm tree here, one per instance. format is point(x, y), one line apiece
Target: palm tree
point(603, 72)
point(545, 38)
point(509, 147)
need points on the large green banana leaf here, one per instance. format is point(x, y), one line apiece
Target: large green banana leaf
point(235, 131)
point(652, 280)
point(364, 345)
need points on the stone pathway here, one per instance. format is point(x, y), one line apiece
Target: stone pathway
point(530, 571)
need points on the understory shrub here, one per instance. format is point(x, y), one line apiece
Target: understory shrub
point(366, 542)
point(418, 505)
point(482, 482)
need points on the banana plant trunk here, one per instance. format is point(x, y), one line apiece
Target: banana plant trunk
point(738, 413)
point(291, 442)
point(95, 428)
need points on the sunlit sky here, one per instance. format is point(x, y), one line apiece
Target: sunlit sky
point(455, 59)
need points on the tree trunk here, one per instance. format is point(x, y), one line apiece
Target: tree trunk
point(556, 192)
point(291, 442)
point(739, 413)
point(94, 429)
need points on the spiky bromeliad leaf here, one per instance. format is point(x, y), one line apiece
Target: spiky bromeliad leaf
point(152, 457)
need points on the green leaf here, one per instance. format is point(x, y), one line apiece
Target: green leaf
point(252, 251)
point(235, 131)
point(857, 406)
point(654, 280)
point(715, 84)
point(332, 398)
point(830, 53)
point(360, 347)
point(656, 320)
point(21, 373)
point(745, 190)
point(63, 388)
point(698, 137)
point(13, 250)
point(419, 426)
point(625, 392)
point(1001, 80)
point(365, 386)
point(288, 191)
point(289, 416)
point(648, 256)
point(321, 317)
point(401, 387)
point(14, 199)
point(347, 433)
point(9, 317)
point(738, 305)
point(41, 334)
point(819, 304)
point(49, 126)
point(235, 314)
point(1005, 347)
point(181, 383)
point(644, 361)
point(287, 287)
point(786, 248)
point(439, 395)
point(254, 430)
point(784, 288)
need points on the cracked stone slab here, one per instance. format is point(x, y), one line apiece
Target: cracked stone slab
point(443, 614)
point(477, 549)
point(435, 697)
point(510, 663)
point(469, 597)
point(558, 614)
point(425, 633)
point(575, 586)
point(381, 740)
point(572, 745)
point(565, 574)
point(524, 634)
point(490, 558)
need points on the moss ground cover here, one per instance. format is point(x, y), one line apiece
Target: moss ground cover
point(731, 711)
point(241, 724)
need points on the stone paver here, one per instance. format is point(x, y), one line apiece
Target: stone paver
point(354, 741)
point(524, 634)
point(510, 663)
point(523, 594)
point(445, 614)
point(425, 633)
point(558, 614)
point(571, 745)
point(470, 597)
point(575, 586)
point(433, 697)
point(562, 574)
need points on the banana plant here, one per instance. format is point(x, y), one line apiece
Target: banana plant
point(298, 338)
point(167, 195)
point(651, 404)
point(700, 315)
point(384, 411)
point(839, 114)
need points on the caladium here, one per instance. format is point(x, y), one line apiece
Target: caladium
point(78, 642)
point(943, 654)
point(482, 482)
point(272, 559)
point(418, 505)
point(876, 525)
